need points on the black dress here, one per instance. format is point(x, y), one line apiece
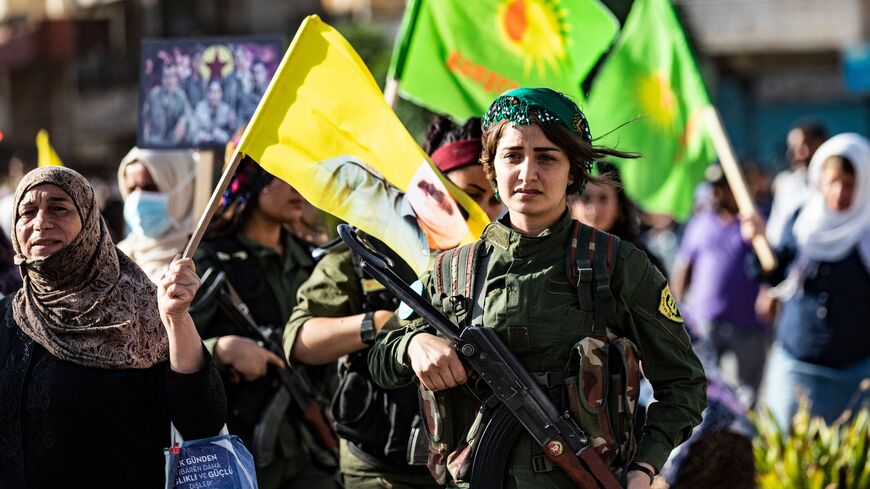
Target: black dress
point(66, 425)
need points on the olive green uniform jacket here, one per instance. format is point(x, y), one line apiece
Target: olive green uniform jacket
point(334, 290)
point(534, 309)
point(283, 274)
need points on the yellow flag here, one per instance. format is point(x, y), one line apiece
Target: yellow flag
point(46, 154)
point(323, 127)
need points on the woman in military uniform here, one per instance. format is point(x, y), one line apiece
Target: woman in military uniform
point(250, 243)
point(339, 312)
point(537, 149)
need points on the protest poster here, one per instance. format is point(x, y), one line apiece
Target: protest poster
point(195, 92)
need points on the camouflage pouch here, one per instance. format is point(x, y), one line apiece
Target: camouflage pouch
point(626, 385)
point(452, 440)
point(603, 395)
point(431, 405)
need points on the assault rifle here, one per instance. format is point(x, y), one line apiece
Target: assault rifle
point(500, 382)
point(297, 388)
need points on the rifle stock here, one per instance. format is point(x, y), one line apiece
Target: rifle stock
point(504, 381)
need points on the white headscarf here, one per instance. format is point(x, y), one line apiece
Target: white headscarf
point(823, 234)
point(173, 172)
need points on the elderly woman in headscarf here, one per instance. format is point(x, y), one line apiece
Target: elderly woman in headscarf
point(95, 360)
point(157, 188)
point(822, 347)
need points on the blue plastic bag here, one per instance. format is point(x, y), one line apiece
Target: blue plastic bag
point(220, 462)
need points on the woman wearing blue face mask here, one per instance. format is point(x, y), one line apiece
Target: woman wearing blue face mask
point(157, 187)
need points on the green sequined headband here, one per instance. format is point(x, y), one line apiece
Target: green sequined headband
point(544, 105)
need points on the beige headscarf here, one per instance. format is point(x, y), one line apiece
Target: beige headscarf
point(173, 172)
point(87, 303)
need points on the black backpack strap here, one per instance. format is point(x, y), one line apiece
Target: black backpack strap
point(591, 259)
point(479, 265)
point(580, 254)
point(603, 263)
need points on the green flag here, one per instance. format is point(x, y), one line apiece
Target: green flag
point(651, 79)
point(457, 56)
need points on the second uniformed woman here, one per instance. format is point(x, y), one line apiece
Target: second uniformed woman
point(537, 149)
point(265, 263)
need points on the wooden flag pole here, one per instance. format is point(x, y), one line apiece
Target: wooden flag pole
point(204, 180)
point(737, 182)
point(391, 90)
point(213, 204)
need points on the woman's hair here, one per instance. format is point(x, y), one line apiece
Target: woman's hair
point(578, 151)
point(239, 200)
point(442, 130)
point(627, 225)
point(227, 219)
point(840, 163)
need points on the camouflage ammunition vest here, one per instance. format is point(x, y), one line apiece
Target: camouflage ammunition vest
point(602, 376)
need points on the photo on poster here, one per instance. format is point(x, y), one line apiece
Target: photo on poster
point(195, 93)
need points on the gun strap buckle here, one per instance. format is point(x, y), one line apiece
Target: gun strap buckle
point(540, 464)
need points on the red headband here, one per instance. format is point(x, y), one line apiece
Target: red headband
point(458, 154)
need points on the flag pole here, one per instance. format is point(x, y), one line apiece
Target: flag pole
point(737, 182)
point(213, 204)
point(391, 90)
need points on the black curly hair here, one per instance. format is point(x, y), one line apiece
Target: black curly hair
point(442, 130)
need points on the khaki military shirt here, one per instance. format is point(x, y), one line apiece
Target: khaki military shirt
point(335, 290)
point(535, 310)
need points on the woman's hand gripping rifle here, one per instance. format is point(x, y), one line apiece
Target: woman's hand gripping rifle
point(500, 379)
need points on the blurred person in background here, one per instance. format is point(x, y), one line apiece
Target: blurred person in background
point(215, 120)
point(758, 183)
point(249, 240)
point(10, 276)
point(167, 114)
point(607, 207)
point(712, 280)
point(20, 164)
point(340, 311)
point(662, 235)
point(791, 187)
point(822, 347)
point(157, 188)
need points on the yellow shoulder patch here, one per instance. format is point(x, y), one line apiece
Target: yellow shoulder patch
point(668, 306)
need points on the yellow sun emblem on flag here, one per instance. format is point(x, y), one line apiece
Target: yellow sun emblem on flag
point(535, 30)
point(657, 100)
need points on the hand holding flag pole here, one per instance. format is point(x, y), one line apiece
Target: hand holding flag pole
point(738, 185)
